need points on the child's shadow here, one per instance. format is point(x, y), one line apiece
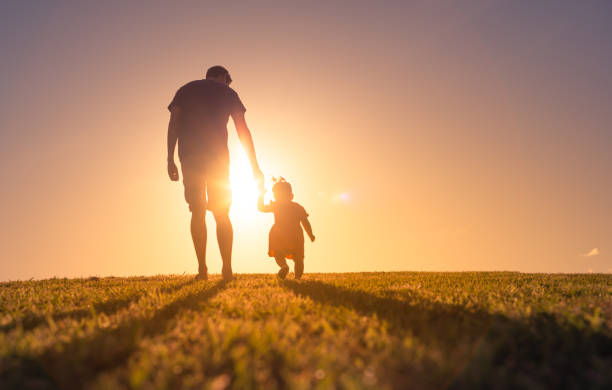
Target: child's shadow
point(484, 349)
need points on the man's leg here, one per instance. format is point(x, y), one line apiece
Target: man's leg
point(219, 201)
point(194, 195)
point(198, 235)
point(225, 238)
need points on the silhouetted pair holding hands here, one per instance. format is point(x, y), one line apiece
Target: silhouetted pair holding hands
point(199, 113)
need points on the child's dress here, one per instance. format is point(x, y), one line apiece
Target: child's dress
point(286, 236)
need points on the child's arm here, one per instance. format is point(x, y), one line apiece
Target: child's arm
point(308, 228)
point(264, 208)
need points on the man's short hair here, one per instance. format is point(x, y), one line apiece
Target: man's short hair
point(216, 71)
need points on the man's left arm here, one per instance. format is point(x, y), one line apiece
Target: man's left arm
point(172, 138)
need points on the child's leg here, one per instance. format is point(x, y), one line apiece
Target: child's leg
point(280, 260)
point(299, 267)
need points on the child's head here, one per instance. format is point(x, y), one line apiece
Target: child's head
point(282, 190)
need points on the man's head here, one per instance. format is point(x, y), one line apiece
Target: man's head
point(218, 73)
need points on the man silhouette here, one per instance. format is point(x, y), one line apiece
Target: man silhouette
point(199, 114)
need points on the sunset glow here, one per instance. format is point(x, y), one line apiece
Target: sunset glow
point(244, 188)
point(417, 135)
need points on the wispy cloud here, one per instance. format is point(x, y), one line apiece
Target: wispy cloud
point(593, 252)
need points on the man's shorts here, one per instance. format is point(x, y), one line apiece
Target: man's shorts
point(207, 185)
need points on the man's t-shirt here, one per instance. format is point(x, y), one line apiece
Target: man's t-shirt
point(205, 107)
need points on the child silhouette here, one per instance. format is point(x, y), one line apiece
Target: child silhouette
point(286, 240)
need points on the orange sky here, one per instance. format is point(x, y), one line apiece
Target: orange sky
point(418, 137)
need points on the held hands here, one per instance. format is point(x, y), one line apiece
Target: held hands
point(173, 171)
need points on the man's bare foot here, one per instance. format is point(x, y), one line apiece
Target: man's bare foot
point(228, 276)
point(203, 276)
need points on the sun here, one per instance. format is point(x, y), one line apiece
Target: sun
point(244, 188)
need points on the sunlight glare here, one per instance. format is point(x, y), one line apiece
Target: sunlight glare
point(244, 188)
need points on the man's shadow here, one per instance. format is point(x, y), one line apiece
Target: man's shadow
point(107, 307)
point(501, 352)
point(72, 364)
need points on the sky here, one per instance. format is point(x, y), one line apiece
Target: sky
point(420, 136)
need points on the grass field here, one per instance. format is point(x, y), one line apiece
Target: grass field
point(367, 330)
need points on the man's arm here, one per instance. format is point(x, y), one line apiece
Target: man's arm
point(244, 134)
point(172, 138)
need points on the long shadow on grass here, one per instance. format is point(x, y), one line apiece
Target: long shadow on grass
point(481, 349)
point(71, 365)
point(108, 307)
